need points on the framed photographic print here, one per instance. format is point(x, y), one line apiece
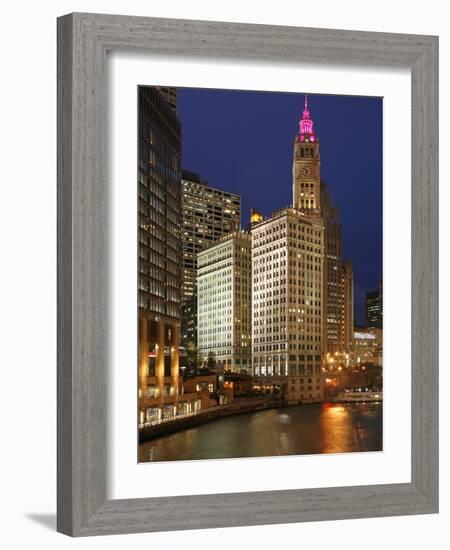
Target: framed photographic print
point(247, 274)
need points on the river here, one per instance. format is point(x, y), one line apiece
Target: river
point(296, 430)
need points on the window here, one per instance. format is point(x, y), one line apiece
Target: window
point(151, 366)
point(166, 365)
point(153, 414)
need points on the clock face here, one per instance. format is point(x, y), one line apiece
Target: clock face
point(306, 172)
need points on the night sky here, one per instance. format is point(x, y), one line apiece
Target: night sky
point(243, 142)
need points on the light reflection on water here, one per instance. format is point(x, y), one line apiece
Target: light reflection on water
point(307, 429)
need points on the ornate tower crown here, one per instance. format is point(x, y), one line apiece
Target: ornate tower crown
point(306, 132)
point(306, 166)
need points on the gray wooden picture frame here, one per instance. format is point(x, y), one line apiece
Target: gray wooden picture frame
point(83, 41)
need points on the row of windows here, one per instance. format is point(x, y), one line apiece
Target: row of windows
point(278, 346)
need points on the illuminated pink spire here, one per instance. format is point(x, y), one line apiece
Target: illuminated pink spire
point(306, 124)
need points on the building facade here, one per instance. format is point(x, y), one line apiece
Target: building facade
point(333, 273)
point(159, 254)
point(368, 346)
point(224, 303)
point(374, 308)
point(311, 196)
point(170, 95)
point(207, 214)
point(287, 304)
point(348, 308)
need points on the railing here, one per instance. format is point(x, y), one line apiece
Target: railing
point(173, 418)
point(228, 407)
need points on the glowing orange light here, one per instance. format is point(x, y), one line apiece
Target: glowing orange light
point(255, 216)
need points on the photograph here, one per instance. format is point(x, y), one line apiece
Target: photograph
point(260, 274)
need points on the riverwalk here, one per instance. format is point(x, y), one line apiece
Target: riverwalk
point(183, 422)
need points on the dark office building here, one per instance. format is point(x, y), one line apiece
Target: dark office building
point(207, 215)
point(188, 336)
point(374, 308)
point(332, 293)
point(159, 254)
point(170, 95)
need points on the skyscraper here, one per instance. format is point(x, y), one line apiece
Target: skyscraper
point(311, 196)
point(287, 304)
point(333, 290)
point(316, 283)
point(224, 302)
point(348, 308)
point(207, 214)
point(159, 220)
point(170, 95)
point(374, 308)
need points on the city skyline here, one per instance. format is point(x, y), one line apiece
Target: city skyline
point(250, 153)
point(252, 316)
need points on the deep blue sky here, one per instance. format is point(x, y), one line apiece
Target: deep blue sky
point(243, 142)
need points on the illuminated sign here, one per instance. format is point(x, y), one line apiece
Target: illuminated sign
point(365, 336)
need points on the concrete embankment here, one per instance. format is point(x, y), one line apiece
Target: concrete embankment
point(235, 408)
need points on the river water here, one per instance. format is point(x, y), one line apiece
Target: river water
point(296, 430)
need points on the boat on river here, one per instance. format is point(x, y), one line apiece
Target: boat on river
point(358, 395)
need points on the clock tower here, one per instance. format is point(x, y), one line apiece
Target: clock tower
point(306, 166)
